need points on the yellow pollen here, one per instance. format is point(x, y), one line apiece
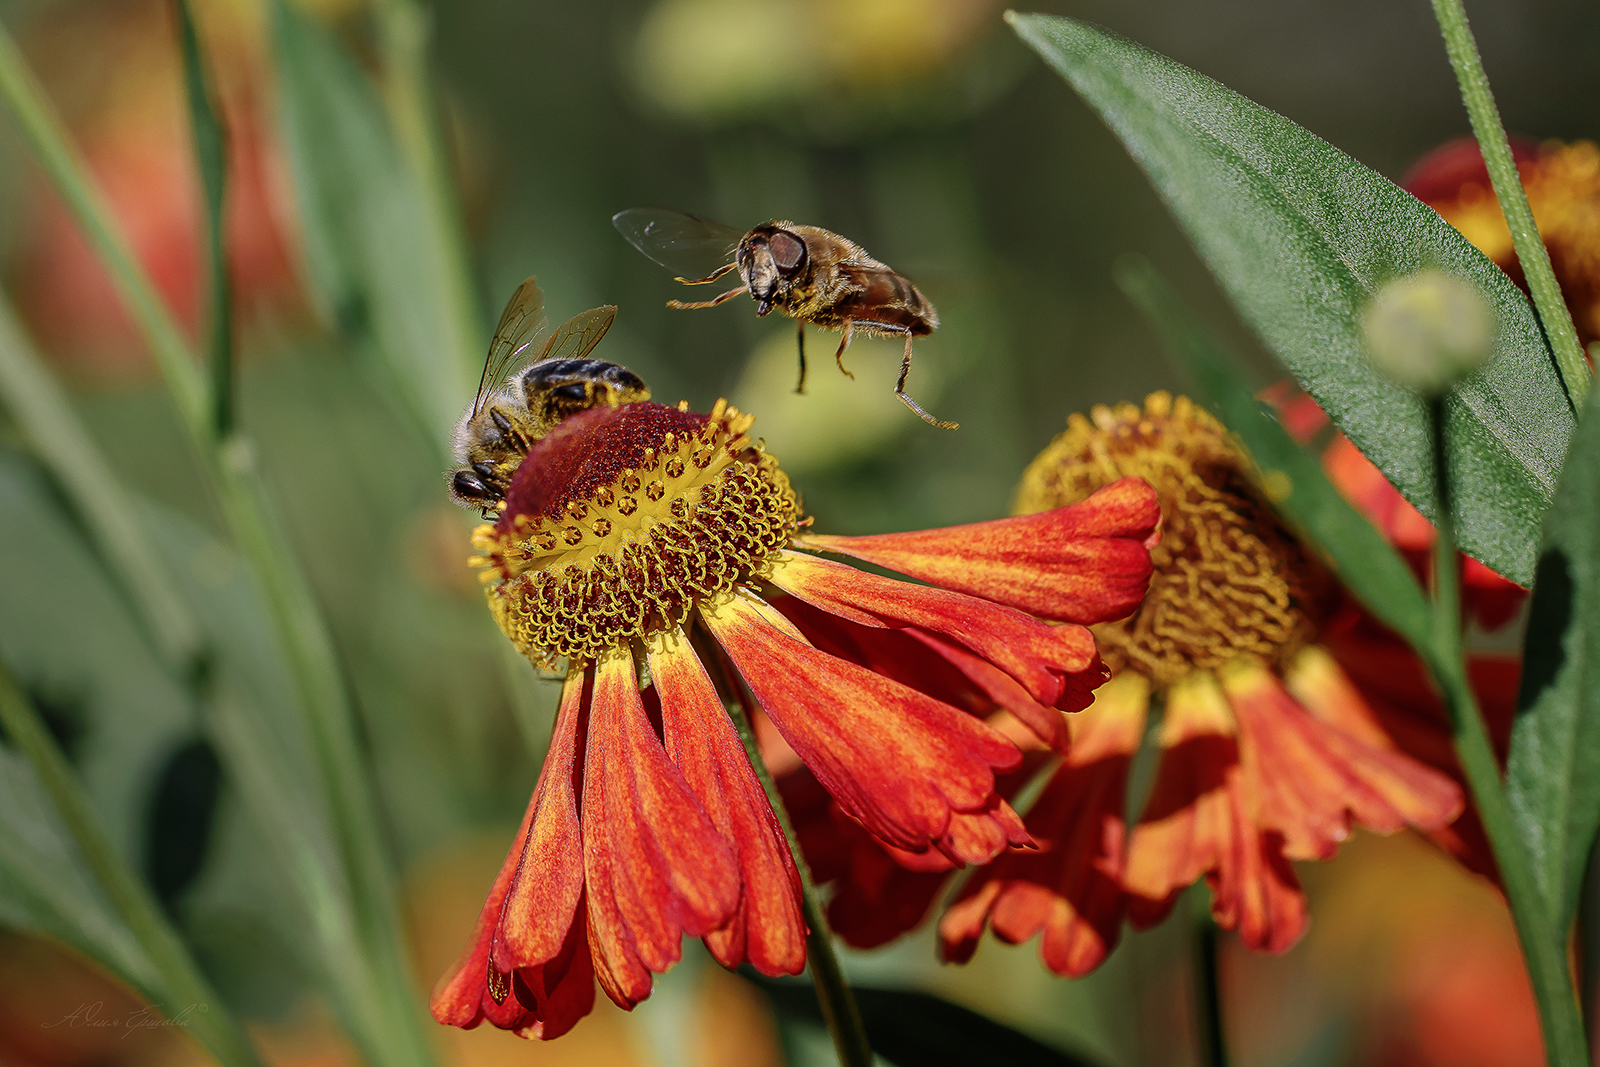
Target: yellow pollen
point(701, 513)
point(1229, 579)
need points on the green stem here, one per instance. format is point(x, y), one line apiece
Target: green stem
point(403, 37)
point(1210, 1036)
point(211, 152)
point(833, 991)
point(66, 447)
point(1544, 952)
point(212, 1024)
point(1496, 149)
point(397, 1038)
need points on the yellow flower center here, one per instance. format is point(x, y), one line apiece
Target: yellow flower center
point(1229, 579)
point(653, 512)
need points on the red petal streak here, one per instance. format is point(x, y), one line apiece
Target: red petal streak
point(1089, 562)
point(896, 759)
point(1198, 822)
point(1070, 890)
point(656, 866)
point(767, 929)
point(1037, 654)
point(548, 835)
point(1314, 780)
point(543, 897)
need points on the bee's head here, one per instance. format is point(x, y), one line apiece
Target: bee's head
point(771, 259)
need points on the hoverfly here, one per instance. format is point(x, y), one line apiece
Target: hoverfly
point(521, 399)
point(811, 275)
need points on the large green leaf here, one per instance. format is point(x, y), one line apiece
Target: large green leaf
point(371, 257)
point(1300, 236)
point(1367, 564)
point(1553, 776)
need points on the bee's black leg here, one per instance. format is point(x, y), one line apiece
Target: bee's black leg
point(801, 388)
point(905, 398)
point(838, 357)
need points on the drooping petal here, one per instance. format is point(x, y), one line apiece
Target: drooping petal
point(1314, 781)
point(1199, 821)
point(1088, 562)
point(528, 919)
point(656, 866)
point(559, 991)
point(896, 759)
point(543, 896)
point(767, 929)
point(1035, 653)
point(1070, 890)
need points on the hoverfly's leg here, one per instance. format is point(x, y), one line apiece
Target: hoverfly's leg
point(713, 276)
point(801, 388)
point(838, 357)
point(729, 295)
point(905, 398)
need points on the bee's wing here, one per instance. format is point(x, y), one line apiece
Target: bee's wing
point(687, 245)
point(577, 337)
point(522, 324)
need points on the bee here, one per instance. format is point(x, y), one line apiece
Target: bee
point(811, 275)
point(519, 401)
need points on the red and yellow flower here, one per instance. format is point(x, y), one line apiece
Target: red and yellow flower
point(651, 540)
point(1268, 754)
point(1563, 186)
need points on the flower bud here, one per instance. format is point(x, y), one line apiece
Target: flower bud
point(1426, 330)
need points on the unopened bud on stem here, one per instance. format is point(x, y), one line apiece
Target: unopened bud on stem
point(1427, 330)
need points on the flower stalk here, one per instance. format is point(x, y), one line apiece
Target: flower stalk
point(394, 1034)
point(213, 1025)
point(1543, 949)
point(1548, 304)
point(838, 1003)
point(1210, 1036)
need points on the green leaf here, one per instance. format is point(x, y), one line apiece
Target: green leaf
point(1553, 775)
point(1367, 564)
point(373, 261)
point(46, 887)
point(1300, 236)
point(913, 1029)
point(211, 152)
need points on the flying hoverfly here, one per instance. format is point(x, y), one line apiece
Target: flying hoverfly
point(811, 275)
point(533, 377)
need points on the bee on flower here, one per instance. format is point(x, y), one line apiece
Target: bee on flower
point(663, 557)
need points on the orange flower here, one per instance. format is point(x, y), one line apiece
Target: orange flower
point(1253, 772)
point(1563, 185)
point(648, 533)
point(1392, 681)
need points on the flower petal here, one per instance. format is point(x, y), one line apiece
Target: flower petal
point(1089, 562)
point(767, 929)
point(543, 896)
point(896, 759)
point(656, 866)
point(1070, 890)
point(1038, 655)
point(1198, 822)
point(547, 898)
point(1313, 780)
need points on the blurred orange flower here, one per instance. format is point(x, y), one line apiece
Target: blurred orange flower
point(649, 534)
point(1563, 186)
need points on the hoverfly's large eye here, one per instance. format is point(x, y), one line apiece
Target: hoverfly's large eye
point(788, 251)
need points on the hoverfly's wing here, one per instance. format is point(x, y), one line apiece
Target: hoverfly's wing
point(522, 324)
point(577, 337)
point(688, 245)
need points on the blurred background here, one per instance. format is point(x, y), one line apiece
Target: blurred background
point(921, 129)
